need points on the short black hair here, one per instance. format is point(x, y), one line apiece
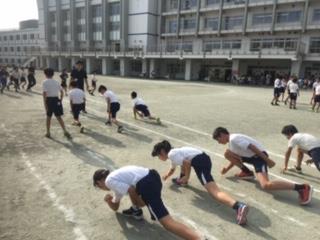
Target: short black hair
point(73, 84)
point(134, 94)
point(102, 87)
point(99, 175)
point(164, 145)
point(289, 130)
point(218, 131)
point(49, 72)
point(79, 62)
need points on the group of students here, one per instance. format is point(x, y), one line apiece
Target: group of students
point(281, 86)
point(144, 185)
point(18, 77)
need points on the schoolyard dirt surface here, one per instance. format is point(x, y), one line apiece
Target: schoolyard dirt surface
point(46, 187)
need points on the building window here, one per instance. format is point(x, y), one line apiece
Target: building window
point(18, 49)
point(315, 45)
point(97, 22)
point(234, 1)
point(187, 46)
point(287, 44)
point(172, 26)
point(52, 3)
point(24, 36)
point(11, 38)
point(17, 37)
point(65, 2)
point(81, 21)
point(316, 15)
point(114, 26)
point(5, 38)
point(289, 17)
point(262, 19)
point(188, 25)
point(232, 22)
point(114, 9)
point(188, 4)
point(31, 36)
point(212, 2)
point(172, 5)
point(211, 23)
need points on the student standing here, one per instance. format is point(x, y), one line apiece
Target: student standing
point(244, 149)
point(283, 88)
point(305, 143)
point(79, 75)
point(52, 98)
point(314, 87)
point(113, 106)
point(93, 84)
point(64, 76)
point(15, 76)
point(77, 101)
point(276, 91)
point(3, 78)
point(288, 91)
point(23, 78)
point(144, 189)
point(187, 157)
point(316, 98)
point(294, 93)
point(31, 78)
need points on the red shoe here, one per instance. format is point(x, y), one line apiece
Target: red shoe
point(242, 214)
point(305, 195)
point(245, 175)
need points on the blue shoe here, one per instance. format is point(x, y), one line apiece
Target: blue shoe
point(242, 214)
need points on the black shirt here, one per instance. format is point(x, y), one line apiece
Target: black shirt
point(79, 77)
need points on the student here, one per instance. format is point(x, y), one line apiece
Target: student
point(23, 78)
point(31, 78)
point(93, 84)
point(306, 143)
point(244, 149)
point(288, 91)
point(283, 88)
point(3, 78)
point(140, 108)
point(294, 93)
point(77, 101)
point(144, 189)
point(316, 98)
point(314, 87)
point(113, 106)
point(276, 92)
point(52, 101)
point(15, 76)
point(187, 157)
point(79, 75)
point(64, 76)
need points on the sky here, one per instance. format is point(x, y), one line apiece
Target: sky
point(14, 11)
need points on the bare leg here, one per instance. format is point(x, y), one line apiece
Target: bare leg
point(135, 198)
point(268, 185)
point(48, 125)
point(60, 120)
point(217, 194)
point(233, 158)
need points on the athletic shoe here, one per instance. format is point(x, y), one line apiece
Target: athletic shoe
point(108, 123)
point(82, 130)
point(67, 135)
point(158, 120)
point(178, 183)
point(295, 169)
point(84, 111)
point(47, 135)
point(120, 129)
point(245, 175)
point(242, 214)
point(137, 214)
point(305, 195)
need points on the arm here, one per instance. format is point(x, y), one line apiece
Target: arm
point(286, 159)
point(187, 170)
point(44, 100)
point(86, 82)
point(226, 169)
point(61, 94)
point(113, 205)
point(254, 149)
point(169, 174)
point(134, 113)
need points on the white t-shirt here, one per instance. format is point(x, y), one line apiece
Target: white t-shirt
point(277, 83)
point(289, 82)
point(109, 94)
point(138, 101)
point(293, 87)
point(77, 96)
point(317, 89)
point(51, 87)
point(178, 155)
point(315, 84)
point(239, 143)
point(304, 141)
point(283, 83)
point(120, 180)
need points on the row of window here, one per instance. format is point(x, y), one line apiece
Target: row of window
point(18, 49)
point(23, 37)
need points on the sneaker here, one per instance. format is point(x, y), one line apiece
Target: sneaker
point(178, 183)
point(84, 111)
point(47, 135)
point(82, 130)
point(158, 120)
point(67, 135)
point(295, 169)
point(245, 175)
point(137, 214)
point(242, 214)
point(120, 129)
point(108, 123)
point(305, 195)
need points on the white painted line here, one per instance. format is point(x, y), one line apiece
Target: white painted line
point(68, 213)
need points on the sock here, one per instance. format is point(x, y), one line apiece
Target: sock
point(236, 205)
point(135, 208)
point(245, 169)
point(298, 187)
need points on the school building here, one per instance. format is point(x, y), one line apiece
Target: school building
point(214, 40)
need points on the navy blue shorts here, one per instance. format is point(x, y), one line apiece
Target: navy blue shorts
point(54, 106)
point(144, 109)
point(76, 109)
point(293, 96)
point(276, 92)
point(202, 166)
point(260, 166)
point(317, 98)
point(315, 154)
point(114, 108)
point(282, 90)
point(149, 188)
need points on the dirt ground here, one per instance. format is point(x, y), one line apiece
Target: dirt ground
point(46, 187)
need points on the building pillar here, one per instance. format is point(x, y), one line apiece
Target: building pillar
point(41, 62)
point(124, 67)
point(107, 66)
point(145, 67)
point(49, 62)
point(62, 63)
point(296, 68)
point(89, 65)
point(154, 67)
point(188, 70)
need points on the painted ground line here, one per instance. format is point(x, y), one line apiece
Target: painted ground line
point(68, 213)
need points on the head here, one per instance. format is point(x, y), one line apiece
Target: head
point(73, 84)
point(79, 65)
point(289, 131)
point(294, 80)
point(134, 95)
point(48, 72)
point(161, 150)
point(102, 89)
point(99, 178)
point(221, 135)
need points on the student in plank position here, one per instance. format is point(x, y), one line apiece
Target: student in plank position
point(242, 149)
point(144, 188)
point(187, 157)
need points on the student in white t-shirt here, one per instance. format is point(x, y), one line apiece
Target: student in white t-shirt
point(283, 87)
point(244, 149)
point(52, 98)
point(294, 93)
point(276, 91)
point(93, 84)
point(288, 91)
point(144, 188)
point(316, 95)
point(113, 106)
point(77, 101)
point(140, 108)
point(306, 144)
point(187, 157)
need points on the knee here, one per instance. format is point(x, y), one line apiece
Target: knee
point(265, 186)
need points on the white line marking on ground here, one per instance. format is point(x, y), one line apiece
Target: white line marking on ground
point(67, 212)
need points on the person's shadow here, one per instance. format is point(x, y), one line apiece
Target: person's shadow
point(136, 230)
point(103, 139)
point(305, 176)
point(11, 95)
point(257, 220)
